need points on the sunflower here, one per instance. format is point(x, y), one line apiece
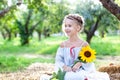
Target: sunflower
point(87, 54)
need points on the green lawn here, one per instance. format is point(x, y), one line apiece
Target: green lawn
point(12, 54)
point(107, 46)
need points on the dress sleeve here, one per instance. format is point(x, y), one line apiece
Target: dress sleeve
point(59, 59)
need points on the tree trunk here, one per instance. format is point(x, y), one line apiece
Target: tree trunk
point(27, 22)
point(25, 41)
point(25, 35)
point(15, 34)
point(3, 35)
point(8, 33)
point(39, 35)
point(92, 29)
point(90, 33)
point(46, 33)
point(102, 34)
point(112, 7)
point(33, 27)
point(89, 38)
point(9, 36)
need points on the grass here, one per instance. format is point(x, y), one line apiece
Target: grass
point(45, 46)
point(12, 54)
point(106, 46)
point(13, 63)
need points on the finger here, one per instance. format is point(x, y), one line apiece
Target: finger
point(74, 69)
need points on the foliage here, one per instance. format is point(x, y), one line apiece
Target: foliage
point(57, 11)
point(3, 4)
point(117, 2)
point(93, 13)
point(59, 75)
point(29, 23)
point(7, 27)
point(49, 15)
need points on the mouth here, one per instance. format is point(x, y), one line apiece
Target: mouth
point(67, 32)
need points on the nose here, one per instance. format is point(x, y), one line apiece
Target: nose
point(66, 27)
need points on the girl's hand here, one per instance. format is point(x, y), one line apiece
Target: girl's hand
point(67, 68)
point(76, 66)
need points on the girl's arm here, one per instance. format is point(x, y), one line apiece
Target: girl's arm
point(76, 66)
point(67, 68)
point(59, 59)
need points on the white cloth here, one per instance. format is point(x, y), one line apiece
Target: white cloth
point(63, 58)
point(45, 77)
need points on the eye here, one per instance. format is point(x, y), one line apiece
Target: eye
point(69, 25)
point(65, 25)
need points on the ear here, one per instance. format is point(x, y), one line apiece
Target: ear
point(78, 28)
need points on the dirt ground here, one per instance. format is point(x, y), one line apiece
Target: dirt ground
point(35, 70)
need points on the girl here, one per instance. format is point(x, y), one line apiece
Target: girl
point(68, 51)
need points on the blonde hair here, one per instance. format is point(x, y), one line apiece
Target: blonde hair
point(79, 19)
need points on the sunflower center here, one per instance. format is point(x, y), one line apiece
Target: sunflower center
point(87, 54)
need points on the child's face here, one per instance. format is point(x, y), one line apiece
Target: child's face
point(71, 27)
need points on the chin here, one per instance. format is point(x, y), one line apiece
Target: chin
point(67, 35)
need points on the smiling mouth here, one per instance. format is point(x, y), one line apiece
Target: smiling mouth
point(67, 31)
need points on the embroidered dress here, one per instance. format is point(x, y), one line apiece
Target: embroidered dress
point(87, 72)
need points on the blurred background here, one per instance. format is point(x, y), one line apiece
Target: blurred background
point(30, 30)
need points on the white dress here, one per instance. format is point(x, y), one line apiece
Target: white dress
point(88, 71)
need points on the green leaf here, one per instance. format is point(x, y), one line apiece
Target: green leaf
point(59, 76)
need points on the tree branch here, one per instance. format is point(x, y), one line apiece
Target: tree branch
point(85, 31)
point(3, 12)
point(95, 25)
point(28, 20)
point(34, 26)
point(112, 7)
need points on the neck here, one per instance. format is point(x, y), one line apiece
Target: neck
point(74, 38)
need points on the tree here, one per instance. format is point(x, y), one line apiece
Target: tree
point(111, 6)
point(3, 12)
point(92, 14)
point(7, 27)
point(7, 8)
point(27, 24)
point(57, 11)
point(26, 27)
point(96, 17)
point(51, 18)
point(43, 14)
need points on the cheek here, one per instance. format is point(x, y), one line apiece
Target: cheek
point(67, 28)
point(72, 29)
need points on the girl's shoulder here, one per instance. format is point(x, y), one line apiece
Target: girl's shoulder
point(85, 43)
point(82, 43)
point(62, 45)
